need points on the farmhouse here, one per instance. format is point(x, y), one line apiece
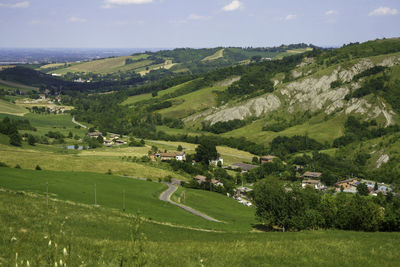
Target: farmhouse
point(267, 159)
point(94, 134)
point(180, 156)
point(215, 161)
point(216, 182)
point(311, 175)
point(313, 183)
point(114, 136)
point(200, 179)
point(347, 184)
point(120, 142)
point(243, 166)
point(169, 156)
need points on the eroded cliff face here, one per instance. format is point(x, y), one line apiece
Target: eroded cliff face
point(254, 107)
point(310, 93)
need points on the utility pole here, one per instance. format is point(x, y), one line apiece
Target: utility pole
point(95, 200)
point(123, 200)
point(47, 194)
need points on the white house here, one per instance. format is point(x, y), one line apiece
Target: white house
point(180, 156)
point(215, 161)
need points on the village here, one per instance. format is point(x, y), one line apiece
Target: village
point(243, 193)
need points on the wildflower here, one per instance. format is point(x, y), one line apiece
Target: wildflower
point(61, 263)
point(55, 244)
point(13, 238)
point(49, 242)
point(65, 252)
point(45, 237)
point(55, 264)
point(27, 263)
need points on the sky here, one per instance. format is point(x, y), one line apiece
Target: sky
point(194, 23)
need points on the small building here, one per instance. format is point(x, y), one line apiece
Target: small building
point(42, 97)
point(347, 184)
point(215, 161)
point(311, 175)
point(267, 159)
point(200, 179)
point(243, 166)
point(181, 156)
point(313, 183)
point(108, 143)
point(242, 191)
point(120, 142)
point(114, 136)
point(167, 156)
point(216, 182)
point(94, 134)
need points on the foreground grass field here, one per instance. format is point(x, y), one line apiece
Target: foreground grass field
point(218, 206)
point(105, 237)
point(141, 196)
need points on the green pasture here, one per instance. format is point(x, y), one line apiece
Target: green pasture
point(100, 236)
point(12, 109)
point(196, 101)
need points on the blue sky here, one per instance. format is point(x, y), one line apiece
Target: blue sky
point(194, 23)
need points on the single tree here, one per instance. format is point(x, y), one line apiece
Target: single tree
point(362, 189)
point(15, 139)
point(31, 140)
point(206, 152)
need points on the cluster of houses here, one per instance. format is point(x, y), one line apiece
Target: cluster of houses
point(348, 186)
point(114, 139)
point(242, 195)
point(202, 179)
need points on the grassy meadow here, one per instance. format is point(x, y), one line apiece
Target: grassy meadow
point(141, 196)
point(188, 104)
point(100, 236)
point(12, 109)
point(216, 55)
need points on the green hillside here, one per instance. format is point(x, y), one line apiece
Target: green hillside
point(88, 233)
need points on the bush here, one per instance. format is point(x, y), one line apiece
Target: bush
point(38, 168)
point(2, 164)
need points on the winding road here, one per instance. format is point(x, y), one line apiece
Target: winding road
point(166, 196)
point(77, 123)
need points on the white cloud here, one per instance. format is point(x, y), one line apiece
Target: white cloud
point(331, 12)
point(383, 11)
point(197, 17)
point(24, 4)
point(113, 3)
point(235, 4)
point(76, 19)
point(290, 17)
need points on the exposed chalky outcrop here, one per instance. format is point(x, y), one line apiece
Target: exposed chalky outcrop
point(255, 107)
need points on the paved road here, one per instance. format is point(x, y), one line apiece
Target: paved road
point(166, 196)
point(77, 123)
